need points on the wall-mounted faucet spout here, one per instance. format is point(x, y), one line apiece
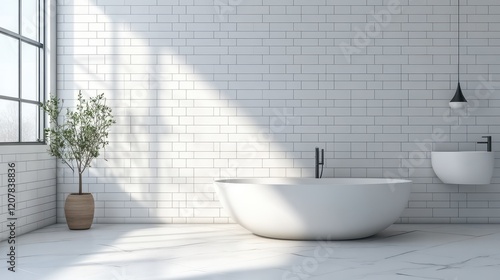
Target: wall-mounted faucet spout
point(318, 162)
point(487, 142)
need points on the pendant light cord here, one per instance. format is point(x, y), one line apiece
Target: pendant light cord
point(458, 41)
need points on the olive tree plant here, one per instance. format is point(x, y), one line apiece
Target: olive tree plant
point(78, 136)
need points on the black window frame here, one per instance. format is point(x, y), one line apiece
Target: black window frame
point(40, 44)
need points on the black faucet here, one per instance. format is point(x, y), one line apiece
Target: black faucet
point(317, 162)
point(488, 143)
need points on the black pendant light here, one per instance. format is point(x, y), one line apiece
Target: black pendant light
point(458, 101)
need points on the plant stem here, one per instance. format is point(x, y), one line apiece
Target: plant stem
point(79, 183)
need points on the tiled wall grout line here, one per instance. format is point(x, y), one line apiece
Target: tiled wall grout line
point(202, 91)
point(197, 86)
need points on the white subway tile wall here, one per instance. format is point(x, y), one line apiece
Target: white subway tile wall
point(207, 89)
point(35, 188)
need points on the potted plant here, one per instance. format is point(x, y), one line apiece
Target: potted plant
point(77, 138)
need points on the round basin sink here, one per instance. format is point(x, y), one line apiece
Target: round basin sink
point(464, 167)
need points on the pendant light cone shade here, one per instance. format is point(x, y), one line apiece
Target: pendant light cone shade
point(458, 101)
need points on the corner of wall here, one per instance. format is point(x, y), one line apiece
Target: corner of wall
point(35, 188)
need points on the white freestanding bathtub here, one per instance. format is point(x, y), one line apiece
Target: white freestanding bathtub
point(311, 209)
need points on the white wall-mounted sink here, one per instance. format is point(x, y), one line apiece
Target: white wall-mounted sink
point(464, 167)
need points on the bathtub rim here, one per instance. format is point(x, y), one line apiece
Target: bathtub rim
point(246, 190)
point(291, 181)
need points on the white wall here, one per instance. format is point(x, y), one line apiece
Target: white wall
point(202, 89)
point(35, 175)
point(35, 170)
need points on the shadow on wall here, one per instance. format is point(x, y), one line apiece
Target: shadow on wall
point(204, 92)
point(186, 114)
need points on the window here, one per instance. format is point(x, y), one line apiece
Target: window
point(21, 70)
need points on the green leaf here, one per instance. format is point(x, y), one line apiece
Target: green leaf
point(78, 139)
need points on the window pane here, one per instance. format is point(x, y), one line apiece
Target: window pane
point(9, 15)
point(9, 66)
point(30, 122)
point(29, 69)
point(30, 19)
point(9, 121)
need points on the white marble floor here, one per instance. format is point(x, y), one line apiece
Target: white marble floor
point(193, 252)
